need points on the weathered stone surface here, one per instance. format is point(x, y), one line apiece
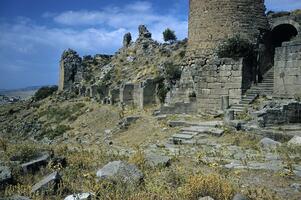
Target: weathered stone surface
point(205, 130)
point(143, 32)
point(155, 160)
point(240, 197)
point(80, 196)
point(127, 39)
point(205, 34)
point(69, 70)
point(206, 198)
point(120, 171)
point(34, 165)
point(48, 184)
point(295, 141)
point(212, 124)
point(15, 198)
point(269, 144)
point(5, 174)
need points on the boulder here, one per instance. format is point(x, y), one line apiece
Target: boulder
point(5, 174)
point(80, 196)
point(295, 141)
point(269, 144)
point(240, 197)
point(154, 160)
point(35, 164)
point(48, 184)
point(120, 171)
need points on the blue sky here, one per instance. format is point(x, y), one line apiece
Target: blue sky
point(34, 33)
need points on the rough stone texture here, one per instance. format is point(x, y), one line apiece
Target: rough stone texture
point(81, 196)
point(221, 77)
point(269, 144)
point(280, 113)
point(121, 171)
point(70, 66)
point(16, 198)
point(34, 165)
point(240, 197)
point(155, 160)
point(48, 184)
point(287, 70)
point(179, 108)
point(295, 141)
point(127, 39)
point(5, 175)
point(140, 95)
point(206, 198)
point(143, 32)
point(212, 21)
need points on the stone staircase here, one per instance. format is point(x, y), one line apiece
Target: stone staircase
point(263, 88)
point(191, 132)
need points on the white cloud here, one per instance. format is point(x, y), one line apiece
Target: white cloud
point(88, 32)
point(128, 18)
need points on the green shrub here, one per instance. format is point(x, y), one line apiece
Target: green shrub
point(169, 35)
point(44, 92)
point(172, 72)
point(235, 47)
point(161, 89)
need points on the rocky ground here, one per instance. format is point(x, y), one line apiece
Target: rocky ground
point(58, 148)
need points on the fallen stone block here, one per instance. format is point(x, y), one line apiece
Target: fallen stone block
point(80, 196)
point(212, 124)
point(121, 171)
point(269, 144)
point(204, 130)
point(36, 164)
point(154, 160)
point(206, 198)
point(295, 141)
point(48, 184)
point(5, 175)
point(16, 198)
point(240, 197)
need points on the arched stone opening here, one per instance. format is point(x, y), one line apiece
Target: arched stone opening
point(282, 33)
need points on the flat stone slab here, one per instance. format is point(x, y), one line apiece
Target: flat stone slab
point(80, 196)
point(35, 164)
point(48, 183)
point(189, 133)
point(201, 129)
point(212, 124)
point(182, 136)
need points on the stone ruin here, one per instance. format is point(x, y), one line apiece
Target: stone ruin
point(208, 84)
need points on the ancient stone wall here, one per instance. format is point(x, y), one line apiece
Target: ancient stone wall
point(70, 70)
point(287, 70)
point(213, 21)
point(221, 77)
point(139, 94)
point(287, 113)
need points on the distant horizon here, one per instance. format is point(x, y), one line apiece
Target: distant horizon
point(34, 33)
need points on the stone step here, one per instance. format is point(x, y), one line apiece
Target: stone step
point(189, 133)
point(204, 130)
point(182, 136)
point(212, 124)
point(238, 106)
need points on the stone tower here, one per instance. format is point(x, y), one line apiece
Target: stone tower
point(212, 21)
